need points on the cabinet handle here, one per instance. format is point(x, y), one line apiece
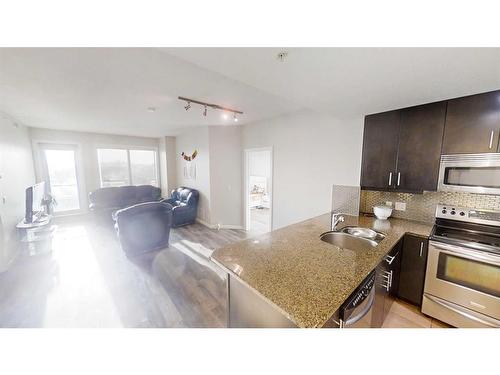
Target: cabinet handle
point(387, 277)
point(399, 177)
point(421, 249)
point(389, 259)
point(390, 178)
point(491, 138)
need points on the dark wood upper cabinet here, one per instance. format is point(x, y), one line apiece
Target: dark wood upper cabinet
point(380, 150)
point(472, 124)
point(401, 149)
point(420, 141)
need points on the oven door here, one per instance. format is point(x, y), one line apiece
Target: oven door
point(473, 173)
point(465, 277)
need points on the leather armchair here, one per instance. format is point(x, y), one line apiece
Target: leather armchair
point(184, 202)
point(144, 227)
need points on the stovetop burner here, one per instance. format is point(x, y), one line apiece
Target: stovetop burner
point(444, 233)
point(474, 228)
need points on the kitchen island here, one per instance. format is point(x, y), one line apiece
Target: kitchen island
point(304, 278)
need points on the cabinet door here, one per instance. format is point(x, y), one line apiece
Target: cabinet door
point(420, 140)
point(472, 124)
point(412, 272)
point(386, 285)
point(380, 150)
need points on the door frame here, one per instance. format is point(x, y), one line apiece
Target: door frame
point(43, 171)
point(246, 189)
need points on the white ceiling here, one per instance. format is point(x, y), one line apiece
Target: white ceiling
point(109, 89)
point(356, 81)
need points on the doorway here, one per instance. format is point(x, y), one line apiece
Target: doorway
point(258, 190)
point(60, 173)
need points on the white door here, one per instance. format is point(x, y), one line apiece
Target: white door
point(60, 173)
point(258, 190)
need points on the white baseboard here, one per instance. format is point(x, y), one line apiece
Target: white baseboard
point(203, 222)
point(215, 226)
point(224, 226)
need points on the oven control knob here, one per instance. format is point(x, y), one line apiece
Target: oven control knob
point(453, 212)
point(462, 213)
point(443, 212)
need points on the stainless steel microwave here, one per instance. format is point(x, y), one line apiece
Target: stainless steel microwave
point(473, 173)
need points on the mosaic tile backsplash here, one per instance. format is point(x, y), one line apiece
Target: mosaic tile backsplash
point(422, 207)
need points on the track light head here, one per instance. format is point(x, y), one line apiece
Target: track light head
point(205, 111)
point(187, 106)
point(235, 118)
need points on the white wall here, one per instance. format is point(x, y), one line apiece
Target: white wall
point(87, 146)
point(191, 139)
point(171, 163)
point(311, 152)
point(226, 176)
point(168, 168)
point(16, 174)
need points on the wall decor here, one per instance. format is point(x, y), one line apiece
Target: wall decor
point(189, 157)
point(190, 171)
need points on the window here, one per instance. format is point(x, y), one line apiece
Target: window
point(60, 170)
point(120, 167)
point(143, 167)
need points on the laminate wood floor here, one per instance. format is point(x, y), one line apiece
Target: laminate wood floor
point(405, 315)
point(87, 281)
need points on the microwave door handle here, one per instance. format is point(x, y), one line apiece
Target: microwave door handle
point(490, 322)
point(467, 253)
point(362, 313)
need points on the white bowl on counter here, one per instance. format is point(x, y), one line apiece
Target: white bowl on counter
point(382, 212)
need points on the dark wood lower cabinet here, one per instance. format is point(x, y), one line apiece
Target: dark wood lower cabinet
point(413, 265)
point(386, 285)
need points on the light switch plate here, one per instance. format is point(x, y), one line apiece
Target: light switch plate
point(400, 206)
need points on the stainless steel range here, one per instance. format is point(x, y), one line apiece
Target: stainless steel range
point(462, 282)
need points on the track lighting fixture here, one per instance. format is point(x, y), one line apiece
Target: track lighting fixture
point(225, 114)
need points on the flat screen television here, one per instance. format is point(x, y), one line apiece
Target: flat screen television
point(34, 202)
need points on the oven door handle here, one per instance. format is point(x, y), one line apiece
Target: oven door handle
point(467, 253)
point(362, 313)
point(490, 322)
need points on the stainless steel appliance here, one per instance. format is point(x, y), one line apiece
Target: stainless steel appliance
point(473, 173)
point(462, 282)
point(356, 311)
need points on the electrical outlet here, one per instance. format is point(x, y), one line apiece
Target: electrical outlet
point(400, 206)
point(388, 203)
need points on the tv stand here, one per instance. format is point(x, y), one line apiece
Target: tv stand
point(36, 237)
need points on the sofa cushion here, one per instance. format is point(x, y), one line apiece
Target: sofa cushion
point(123, 196)
point(105, 198)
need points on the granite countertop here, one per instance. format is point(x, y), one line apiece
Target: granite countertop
point(306, 278)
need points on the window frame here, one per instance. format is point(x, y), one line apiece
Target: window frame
point(129, 165)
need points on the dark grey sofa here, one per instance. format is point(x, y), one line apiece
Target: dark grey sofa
point(110, 199)
point(143, 227)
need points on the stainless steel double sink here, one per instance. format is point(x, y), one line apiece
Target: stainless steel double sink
point(352, 237)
